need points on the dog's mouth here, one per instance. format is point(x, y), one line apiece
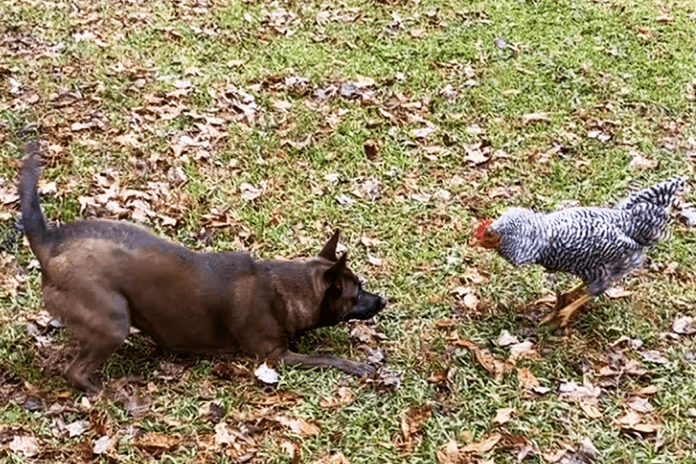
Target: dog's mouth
point(367, 307)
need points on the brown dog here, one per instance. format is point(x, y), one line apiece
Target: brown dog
point(100, 277)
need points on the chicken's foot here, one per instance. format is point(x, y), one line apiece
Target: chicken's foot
point(562, 301)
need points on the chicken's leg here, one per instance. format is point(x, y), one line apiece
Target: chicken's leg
point(566, 313)
point(566, 304)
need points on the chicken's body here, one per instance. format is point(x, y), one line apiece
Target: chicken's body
point(599, 245)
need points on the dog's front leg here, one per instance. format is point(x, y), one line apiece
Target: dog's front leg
point(351, 367)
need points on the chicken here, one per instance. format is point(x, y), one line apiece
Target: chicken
point(598, 245)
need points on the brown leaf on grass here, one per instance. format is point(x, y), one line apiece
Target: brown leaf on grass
point(494, 366)
point(644, 33)
point(337, 458)
point(527, 379)
point(522, 350)
point(292, 449)
point(617, 292)
point(648, 390)
point(302, 427)
point(665, 17)
point(251, 192)
point(449, 454)
point(8, 194)
point(585, 395)
point(584, 453)
point(503, 191)
point(129, 140)
point(370, 149)
point(483, 446)
point(364, 333)
point(104, 445)
point(25, 445)
point(641, 163)
point(590, 409)
point(641, 405)
point(157, 443)
point(535, 117)
point(412, 422)
point(418, 33)
point(344, 396)
point(506, 339)
point(445, 323)
point(636, 422)
point(476, 153)
point(684, 325)
point(475, 276)
point(654, 356)
point(502, 416)
point(228, 370)
point(10, 278)
point(278, 397)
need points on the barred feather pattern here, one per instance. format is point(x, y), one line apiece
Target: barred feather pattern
point(599, 245)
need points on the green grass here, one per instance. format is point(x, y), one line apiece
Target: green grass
point(619, 67)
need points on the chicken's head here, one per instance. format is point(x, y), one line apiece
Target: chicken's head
point(485, 236)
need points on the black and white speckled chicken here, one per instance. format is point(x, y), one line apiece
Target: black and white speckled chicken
point(599, 245)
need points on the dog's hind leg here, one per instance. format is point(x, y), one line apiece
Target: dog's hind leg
point(98, 321)
point(351, 367)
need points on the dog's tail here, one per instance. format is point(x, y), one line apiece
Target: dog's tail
point(32, 217)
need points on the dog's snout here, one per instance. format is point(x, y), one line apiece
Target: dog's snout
point(382, 302)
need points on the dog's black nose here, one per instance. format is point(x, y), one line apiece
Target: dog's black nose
point(382, 302)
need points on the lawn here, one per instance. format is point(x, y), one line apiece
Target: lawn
point(265, 126)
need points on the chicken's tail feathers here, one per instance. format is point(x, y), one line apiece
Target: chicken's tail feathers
point(661, 195)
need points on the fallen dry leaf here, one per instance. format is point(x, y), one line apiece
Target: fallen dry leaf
point(642, 163)
point(292, 449)
point(157, 443)
point(412, 422)
point(526, 378)
point(522, 350)
point(483, 446)
point(302, 427)
point(250, 192)
point(104, 444)
point(654, 356)
point(338, 458)
point(344, 396)
point(637, 422)
point(506, 339)
point(476, 154)
point(475, 276)
point(684, 325)
point(266, 374)
point(25, 445)
point(503, 415)
point(471, 301)
point(646, 391)
point(591, 410)
point(494, 366)
point(535, 117)
point(449, 454)
point(641, 405)
point(617, 292)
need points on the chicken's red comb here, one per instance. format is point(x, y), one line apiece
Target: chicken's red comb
point(481, 228)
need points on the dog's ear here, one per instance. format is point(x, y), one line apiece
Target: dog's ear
point(329, 250)
point(333, 274)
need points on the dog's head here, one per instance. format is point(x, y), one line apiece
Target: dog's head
point(344, 297)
